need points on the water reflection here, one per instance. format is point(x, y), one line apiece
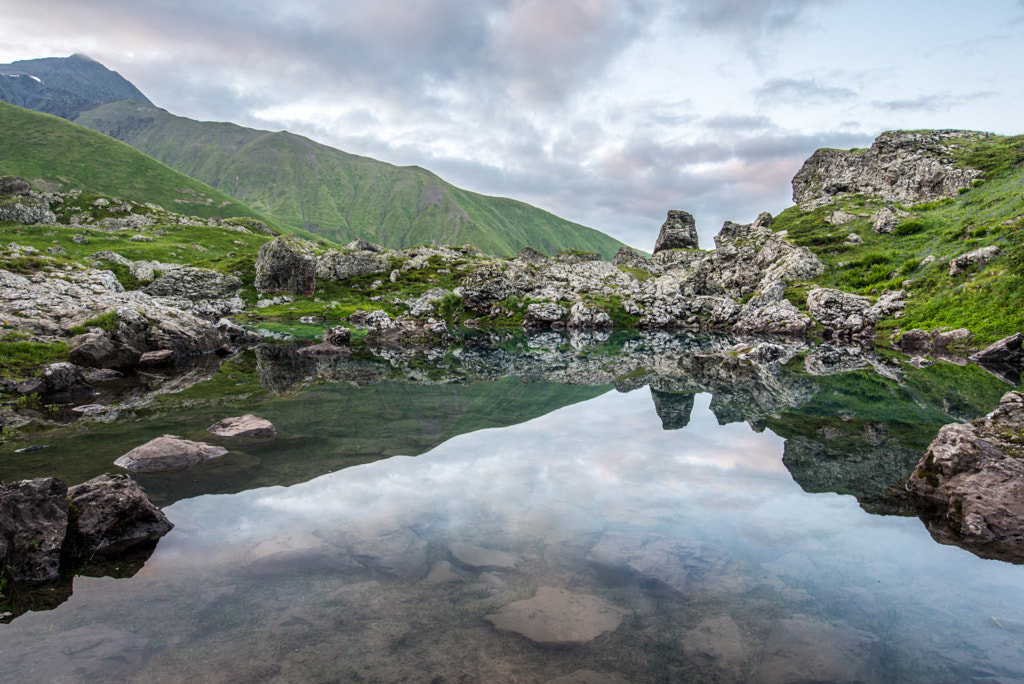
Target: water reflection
point(687, 554)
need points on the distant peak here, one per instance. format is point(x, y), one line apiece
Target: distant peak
point(80, 56)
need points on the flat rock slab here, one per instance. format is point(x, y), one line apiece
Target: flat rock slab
point(168, 453)
point(479, 558)
point(244, 426)
point(557, 618)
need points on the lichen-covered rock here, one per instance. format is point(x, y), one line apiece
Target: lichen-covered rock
point(678, 232)
point(335, 265)
point(975, 258)
point(33, 524)
point(886, 219)
point(287, 264)
point(194, 283)
point(974, 473)
point(843, 314)
point(900, 166)
point(543, 313)
point(112, 513)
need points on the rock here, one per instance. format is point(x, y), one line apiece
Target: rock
point(541, 314)
point(581, 316)
point(977, 257)
point(631, 259)
point(952, 338)
point(840, 217)
point(335, 265)
point(853, 239)
point(555, 618)
point(442, 572)
point(194, 283)
point(243, 426)
point(160, 357)
point(974, 474)
point(674, 408)
point(27, 210)
point(678, 232)
point(804, 650)
point(167, 453)
point(1006, 351)
point(848, 315)
point(339, 336)
point(97, 350)
point(14, 186)
point(324, 350)
point(530, 255)
point(387, 546)
point(112, 513)
point(405, 333)
point(94, 653)
point(659, 563)
point(587, 677)
point(296, 552)
point(900, 166)
point(478, 558)
point(286, 264)
point(33, 525)
point(886, 219)
point(718, 644)
point(63, 377)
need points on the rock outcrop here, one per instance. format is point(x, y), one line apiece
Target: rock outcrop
point(900, 166)
point(974, 474)
point(678, 232)
point(286, 264)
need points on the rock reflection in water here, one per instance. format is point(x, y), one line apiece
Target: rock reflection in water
point(683, 555)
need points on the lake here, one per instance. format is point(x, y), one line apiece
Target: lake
point(544, 509)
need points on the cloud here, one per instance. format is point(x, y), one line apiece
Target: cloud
point(938, 102)
point(800, 91)
point(748, 17)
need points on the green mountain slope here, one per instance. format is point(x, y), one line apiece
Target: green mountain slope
point(306, 185)
point(36, 145)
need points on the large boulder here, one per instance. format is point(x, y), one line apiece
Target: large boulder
point(33, 524)
point(974, 474)
point(167, 453)
point(335, 265)
point(194, 283)
point(678, 232)
point(900, 166)
point(98, 350)
point(243, 426)
point(286, 264)
point(1006, 351)
point(979, 256)
point(112, 513)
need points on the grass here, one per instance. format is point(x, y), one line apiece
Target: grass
point(19, 358)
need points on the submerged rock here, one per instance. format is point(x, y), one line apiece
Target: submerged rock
point(555, 618)
point(167, 453)
point(805, 650)
point(479, 558)
point(244, 426)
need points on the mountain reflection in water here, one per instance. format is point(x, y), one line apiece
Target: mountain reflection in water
point(666, 520)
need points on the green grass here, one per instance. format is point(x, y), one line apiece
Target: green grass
point(19, 358)
point(35, 145)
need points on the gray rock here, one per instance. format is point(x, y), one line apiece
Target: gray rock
point(555, 618)
point(243, 426)
point(631, 259)
point(286, 264)
point(530, 255)
point(886, 219)
point(660, 563)
point(335, 265)
point(167, 453)
point(1006, 351)
point(63, 377)
point(160, 357)
point(587, 677)
point(14, 186)
point(541, 314)
point(33, 525)
point(478, 558)
point(339, 336)
point(194, 283)
point(27, 210)
point(975, 258)
point(113, 513)
point(900, 166)
point(98, 350)
point(974, 473)
point(387, 546)
point(804, 650)
point(717, 643)
point(93, 653)
point(678, 232)
point(840, 217)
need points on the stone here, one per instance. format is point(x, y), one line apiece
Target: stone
point(659, 563)
point(194, 283)
point(243, 426)
point(475, 557)
point(805, 650)
point(840, 217)
point(324, 350)
point(679, 231)
point(167, 453)
point(387, 546)
point(33, 525)
point(1006, 351)
point(543, 313)
point(160, 357)
point(112, 513)
point(973, 475)
point(97, 350)
point(979, 256)
point(339, 336)
point(294, 552)
point(717, 643)
point(286, 264)
point(336, 266)
point(556, 618)
point(886, 219)
point(530, 255)
point(907, 167)
point(63, 377)
point(631, 259)
point(14, 186)
point(442, 572)
point(94, 653)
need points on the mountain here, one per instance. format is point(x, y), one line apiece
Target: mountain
point(35, 145)
point(298, 183)
point(65, 87)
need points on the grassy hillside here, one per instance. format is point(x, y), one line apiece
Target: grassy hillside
point(305, 185)
point(916, 255)
point(35, 145)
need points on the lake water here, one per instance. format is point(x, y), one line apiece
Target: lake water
point(637, 510)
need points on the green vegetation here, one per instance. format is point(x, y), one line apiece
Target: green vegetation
point(19, 357)
point(36, 145)
point(915, 256)
point(311, 188)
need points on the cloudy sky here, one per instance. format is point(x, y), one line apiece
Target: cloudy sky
point(606, 112)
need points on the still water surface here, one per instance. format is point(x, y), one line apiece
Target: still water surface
point(649, 554)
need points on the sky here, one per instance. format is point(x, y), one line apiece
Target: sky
point(605, 112)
